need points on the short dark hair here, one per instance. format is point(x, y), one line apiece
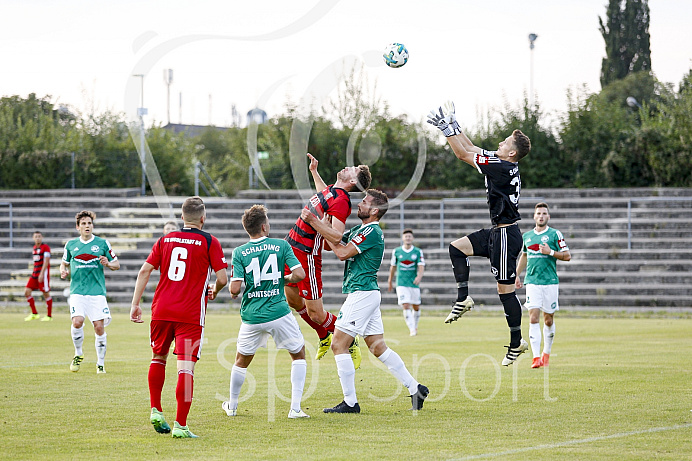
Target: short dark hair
point(38, 232)
point(380, 201)
point(253, 218)
point(522, 143)
point(85, 214)
point(363, 177)
point(541, 205)
point(407, 231)
point(193, 209)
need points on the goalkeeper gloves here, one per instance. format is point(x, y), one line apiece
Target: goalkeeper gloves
point(445, 119)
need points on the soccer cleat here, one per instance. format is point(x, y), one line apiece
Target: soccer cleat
point(229, 411)
point(545, 358)
point(514, 352)
point(76, 362)
point(100, 370)
point(460, 308)
point(292, 414)
point(182, 432)
point(47, 319)
point(31, 317)
point(537, 362)
point(324, 346)
point(356, 354)
point(419, 397)
point(343, 407)
point(414, 332)
point(159, 422)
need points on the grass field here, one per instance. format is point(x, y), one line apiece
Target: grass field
point(616, 388)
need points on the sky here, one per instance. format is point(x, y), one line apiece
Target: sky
point(264, 54)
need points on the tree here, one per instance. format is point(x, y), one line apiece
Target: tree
point(627, 40)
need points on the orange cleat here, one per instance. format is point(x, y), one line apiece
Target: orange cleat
point(545, 358)
point(537, 362)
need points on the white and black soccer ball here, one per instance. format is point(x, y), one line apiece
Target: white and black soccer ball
point(395, 55)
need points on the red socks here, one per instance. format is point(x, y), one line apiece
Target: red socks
point(49, 306)
point(321, 331)
point(157, 376)
point(32, 304)
point(183, 395)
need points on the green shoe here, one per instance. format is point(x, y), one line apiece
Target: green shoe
point(356, 355)
point(47, 319)
point(31, 317)
point(182, 432)
point(76, 362)
point(159, 422)
point(324, 346)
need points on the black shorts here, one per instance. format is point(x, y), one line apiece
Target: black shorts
point(502, 246)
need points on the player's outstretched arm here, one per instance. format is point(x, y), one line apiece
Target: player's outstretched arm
point(320, 185)
point(333, 236)
point(141, 283)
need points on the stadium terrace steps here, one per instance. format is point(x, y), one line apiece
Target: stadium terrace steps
point(603, 273)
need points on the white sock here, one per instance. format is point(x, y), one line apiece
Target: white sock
point(237, 380)
point(535, 338)
point(78, 340)
point(299, 369)
point(549, 333)
point(100, 344)
point(408, 317)
point(347, 376)
point(416, 318)
point(397, 368)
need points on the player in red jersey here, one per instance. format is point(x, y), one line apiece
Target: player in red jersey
point(333, 205)
point(186, 259)
point(39, 280)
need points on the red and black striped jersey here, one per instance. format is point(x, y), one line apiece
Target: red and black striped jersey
point(39, 255)
point(332, 201)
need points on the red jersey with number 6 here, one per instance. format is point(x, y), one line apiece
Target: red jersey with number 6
point(186, 260)
point(332, 201)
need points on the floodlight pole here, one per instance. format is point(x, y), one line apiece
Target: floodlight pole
point(532, 39)
point(141, 112)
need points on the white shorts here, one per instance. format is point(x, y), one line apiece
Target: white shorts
point(285, 331)
point(93, 307)
point(360, 314)
point(408, 295)
point(543, 297)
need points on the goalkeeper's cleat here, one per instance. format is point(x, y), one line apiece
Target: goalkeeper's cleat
point(324, 346)
point(513, 353)
point(419, 397)
point(460, 308)
point(292, 414)
point(159, 422)
point(100, 370)
point(537, 362)
point(47, 319)
point(76, 362)
point(356, 354)
point(227, 408)
point(31, 317)
point(545, 358)
point(182, 432)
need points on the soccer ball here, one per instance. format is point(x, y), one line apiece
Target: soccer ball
point(395, 55)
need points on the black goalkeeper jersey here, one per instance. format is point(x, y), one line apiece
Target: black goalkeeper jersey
point(502, 185)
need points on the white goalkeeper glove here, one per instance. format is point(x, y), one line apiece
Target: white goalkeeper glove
point(445, 119)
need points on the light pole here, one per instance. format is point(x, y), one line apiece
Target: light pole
point(532, 38)
point(141, 112)
point(168, 78)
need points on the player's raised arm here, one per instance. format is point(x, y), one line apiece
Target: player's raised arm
point(444, 119)
point(320, 185)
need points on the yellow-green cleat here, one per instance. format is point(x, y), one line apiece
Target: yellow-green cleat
point(159, 422)
point(182, 432)
point(47, 319)
point(324, 346)
point(76, 362)
point(31, 317)
point(356, 355)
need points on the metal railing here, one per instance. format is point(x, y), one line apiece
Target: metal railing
point(199, 168)
point(9, 204)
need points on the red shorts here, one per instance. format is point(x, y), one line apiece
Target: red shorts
point(311, 286)
point(44, 285)
point(188, 339)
